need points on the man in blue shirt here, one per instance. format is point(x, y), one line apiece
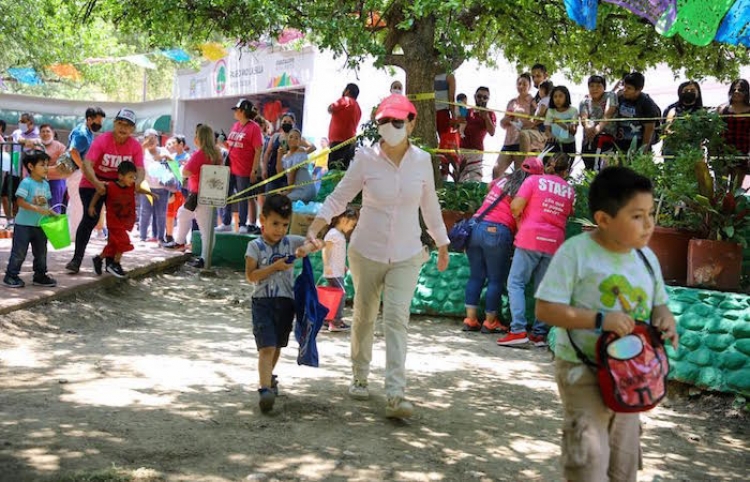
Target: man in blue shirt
point(79, 141)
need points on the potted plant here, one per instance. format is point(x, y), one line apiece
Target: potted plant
point(460, 200)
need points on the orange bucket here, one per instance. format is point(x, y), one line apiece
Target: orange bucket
point(331, 298)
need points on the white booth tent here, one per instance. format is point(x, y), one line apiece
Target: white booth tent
point(275, 79)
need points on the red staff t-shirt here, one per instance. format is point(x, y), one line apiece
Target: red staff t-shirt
point(243, 142)
point(106, 155)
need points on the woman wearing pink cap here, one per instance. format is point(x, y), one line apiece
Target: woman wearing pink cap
point(385, 253)
point(490, 246)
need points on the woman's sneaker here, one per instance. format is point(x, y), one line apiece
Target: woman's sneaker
point(266, 399)
point(44, 280)
point(397, 407)
point(493, 327)
point(13, 281)
point(471, 325)
point(358, 390)
point(513, 339)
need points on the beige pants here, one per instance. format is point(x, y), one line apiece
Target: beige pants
point(396, 282)
point(75, 207)
point(473, 169)
point(598, 444)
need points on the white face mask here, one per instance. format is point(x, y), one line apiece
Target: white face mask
point(397, 91)
point(23, 127)
point(391, 135)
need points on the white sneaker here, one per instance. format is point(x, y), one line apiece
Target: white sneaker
point(243, 230)
point(397, 407)
point(223, 228)
point(358, 390)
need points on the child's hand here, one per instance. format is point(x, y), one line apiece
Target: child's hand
point(443, 258)
point(154, 195)
point(619, 323)
point(664, 321)
point(48, 212)
point(281, 265)
point(92, 211)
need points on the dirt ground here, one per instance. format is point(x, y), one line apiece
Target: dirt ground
point(155, 379)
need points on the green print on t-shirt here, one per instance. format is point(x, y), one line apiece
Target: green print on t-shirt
point(633, 301)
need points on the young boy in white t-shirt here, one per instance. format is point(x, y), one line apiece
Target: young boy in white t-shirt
point(597, 282)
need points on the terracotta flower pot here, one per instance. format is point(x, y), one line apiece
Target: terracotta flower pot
point(452, 217)
point(714, 264)
point(670, 246)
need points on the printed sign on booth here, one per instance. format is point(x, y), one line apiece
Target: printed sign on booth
point(213, 186)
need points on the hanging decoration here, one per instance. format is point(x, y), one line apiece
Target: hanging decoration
point(25, 75)
point(697, 21)
point(213, 51)
point(583, 12)
point(65, 71)
point(178, 55)
point(289, 35)
point(141, 61)
point(735, 29)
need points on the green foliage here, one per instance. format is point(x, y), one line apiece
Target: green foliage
point(463, 197)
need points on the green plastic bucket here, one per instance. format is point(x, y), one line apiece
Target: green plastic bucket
point(56, 229)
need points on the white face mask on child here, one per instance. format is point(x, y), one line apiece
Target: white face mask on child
point(391, 135)
point(397, 91)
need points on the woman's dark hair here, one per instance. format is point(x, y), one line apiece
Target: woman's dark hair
point(32, 158)
point(515, 179)
point(560, 162)
point(291, 115)
point(565, 91)
point(597, 79)
point(743, 86)
point(526, 76)
point(614, 187)
point(699, 100)
point(3, 126)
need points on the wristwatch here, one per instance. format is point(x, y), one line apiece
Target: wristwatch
point(598, 322)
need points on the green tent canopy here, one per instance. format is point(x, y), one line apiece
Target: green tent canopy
point(162, 123)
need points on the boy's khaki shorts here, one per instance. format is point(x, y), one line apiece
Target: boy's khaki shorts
point(598, 444)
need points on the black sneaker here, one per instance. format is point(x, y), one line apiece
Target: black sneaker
point(97, 264)
point(253, 229)
point(74, 266)
point(173, 245)
point(44, 280)
point(197, 263)
point(267, 399)
point(115, 270)
point(13, 281)
point(168, 239)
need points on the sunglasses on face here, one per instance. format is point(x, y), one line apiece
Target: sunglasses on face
point(482, 97)
point(397, 123)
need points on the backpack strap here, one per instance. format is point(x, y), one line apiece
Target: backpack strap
point(492, 206)
point(579, 352)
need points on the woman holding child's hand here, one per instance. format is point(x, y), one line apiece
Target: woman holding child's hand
point(386, 253)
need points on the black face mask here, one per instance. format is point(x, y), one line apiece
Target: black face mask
point(95, 127)
point(688, 97)
point(286, 127)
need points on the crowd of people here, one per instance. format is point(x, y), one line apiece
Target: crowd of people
point(518, 239)
point(622, 118)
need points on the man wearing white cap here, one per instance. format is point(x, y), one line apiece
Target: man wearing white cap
point(100, 166)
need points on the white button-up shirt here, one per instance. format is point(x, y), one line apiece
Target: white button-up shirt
point(388, 230)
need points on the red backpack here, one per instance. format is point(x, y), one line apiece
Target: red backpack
point(632, 370)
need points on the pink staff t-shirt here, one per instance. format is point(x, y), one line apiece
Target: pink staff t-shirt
point(549, 203)
point(106, 155)
point(243, 141)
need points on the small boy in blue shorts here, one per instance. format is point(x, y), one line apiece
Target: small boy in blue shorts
point(269, 260)
point(598, 282)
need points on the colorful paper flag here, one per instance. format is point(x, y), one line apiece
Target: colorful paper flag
point(583, 12)
point(289, 35)
point(735, 28)
point(178, 55)
point(140, 60)
point(213, 51)
point(65, 71)
point(25, 75)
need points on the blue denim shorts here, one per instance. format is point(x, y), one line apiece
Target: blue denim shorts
point(272, 321)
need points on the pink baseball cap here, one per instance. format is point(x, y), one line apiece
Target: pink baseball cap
point(395, 106)
point(533, 165)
